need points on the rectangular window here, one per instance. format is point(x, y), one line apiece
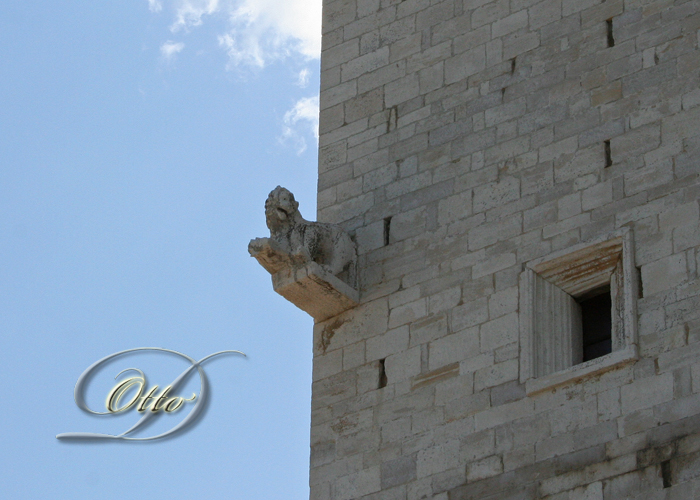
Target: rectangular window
point(578, 312)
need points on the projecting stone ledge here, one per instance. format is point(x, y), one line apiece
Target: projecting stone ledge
point(315, 291)
point(312, 263)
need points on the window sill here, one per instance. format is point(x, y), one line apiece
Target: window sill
point(584, 370)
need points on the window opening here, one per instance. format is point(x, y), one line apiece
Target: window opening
point(608, 154)
point(640, 290)
point(596, 323)
point(382, 374)
point(611, 37)
point(579, 308)
point(666, 473)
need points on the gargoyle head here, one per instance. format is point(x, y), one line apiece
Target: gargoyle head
point(281, 209)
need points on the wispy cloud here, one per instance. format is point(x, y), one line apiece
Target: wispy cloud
point(303, 78)
point(261, 31)
point(155, 5)
point(170, 49)
point(254, 34)
point(189, 13)
point(304, 115)
point(258, 32)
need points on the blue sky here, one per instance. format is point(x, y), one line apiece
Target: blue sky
point(138, 142)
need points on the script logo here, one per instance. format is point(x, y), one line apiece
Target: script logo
point(149, 404)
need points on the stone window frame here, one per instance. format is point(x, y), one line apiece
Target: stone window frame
point(608, 259)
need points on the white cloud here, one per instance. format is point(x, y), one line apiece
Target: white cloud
point(169, 49)
point(303, 79)
point(259, 31)
point(303, 115)
point(265, 30)
point(189, 13)
point(155, 5)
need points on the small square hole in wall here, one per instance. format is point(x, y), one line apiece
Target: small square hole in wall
point(578, 309)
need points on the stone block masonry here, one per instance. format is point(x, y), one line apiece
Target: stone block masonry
point(460, 141)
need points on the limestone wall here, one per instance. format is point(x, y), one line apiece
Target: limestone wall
point(467, 145)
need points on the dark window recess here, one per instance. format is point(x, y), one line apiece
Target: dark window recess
point(392, 120)
point(387, 228)
point(611, 36)
point(382, 374)
point(596, 323)
point(640, 291)
point(608, 154)
point(666, 473)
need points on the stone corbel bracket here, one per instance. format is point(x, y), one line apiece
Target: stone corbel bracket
point(316, 291)
point(311, 263)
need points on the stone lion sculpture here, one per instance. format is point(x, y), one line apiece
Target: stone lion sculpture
point(295, 241)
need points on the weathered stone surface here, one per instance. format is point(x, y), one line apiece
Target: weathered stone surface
point(312, 289)
point(463, 142)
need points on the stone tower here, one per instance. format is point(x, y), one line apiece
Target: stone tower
point(521, 178)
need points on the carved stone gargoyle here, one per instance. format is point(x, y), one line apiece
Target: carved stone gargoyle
point(313, 264)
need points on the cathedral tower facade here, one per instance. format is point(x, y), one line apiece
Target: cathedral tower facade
point(521, 179)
